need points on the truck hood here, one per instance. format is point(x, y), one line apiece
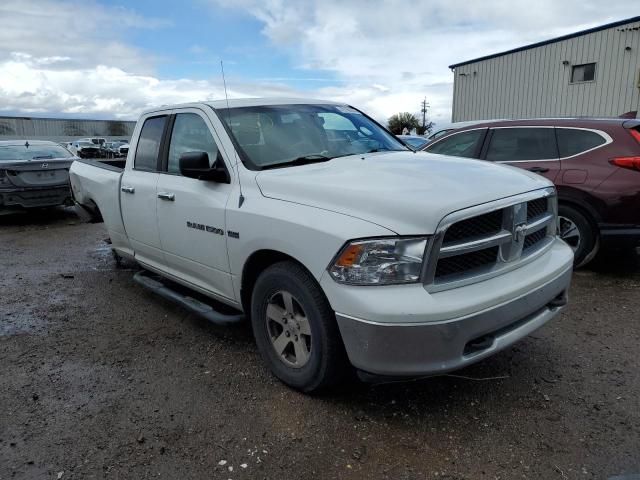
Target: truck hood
point(406, 192)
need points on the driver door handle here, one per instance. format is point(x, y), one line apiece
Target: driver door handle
point(538, 169)
point(170, 197)
point(128, 189)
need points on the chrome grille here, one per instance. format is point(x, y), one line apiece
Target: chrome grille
point(531, 240)
point(482, 225)
point(486, 240)
point(535, 208)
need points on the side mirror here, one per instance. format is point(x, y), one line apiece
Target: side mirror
point(196, 165)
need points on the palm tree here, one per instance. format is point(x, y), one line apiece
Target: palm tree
point(399, 121)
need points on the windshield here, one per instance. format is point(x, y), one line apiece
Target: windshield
point(415, 142)
point(86, 144)
point(281, 134)
point(10, 153)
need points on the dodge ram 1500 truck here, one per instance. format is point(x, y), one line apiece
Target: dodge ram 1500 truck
point(341, 245)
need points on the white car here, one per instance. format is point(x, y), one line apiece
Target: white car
point(342, 246)
point(84, 149)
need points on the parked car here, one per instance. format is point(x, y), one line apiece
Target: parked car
point(123, 149)
point(95, 140)
point(85, 149)
point(594, 163)
point(414, 141)
point(112, 149)
point(339, 243)
point(33, 174)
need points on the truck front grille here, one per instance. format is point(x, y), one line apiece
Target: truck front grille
point(469, 248)
point(482, 225)
point(466, 262)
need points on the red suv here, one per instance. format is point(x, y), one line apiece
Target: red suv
point(594, 164)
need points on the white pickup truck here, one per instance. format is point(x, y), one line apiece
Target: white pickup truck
point(341, 245)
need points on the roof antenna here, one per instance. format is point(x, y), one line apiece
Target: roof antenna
point(224, 82)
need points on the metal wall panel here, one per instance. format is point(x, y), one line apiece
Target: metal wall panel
point(62, 130)
point(535, 83)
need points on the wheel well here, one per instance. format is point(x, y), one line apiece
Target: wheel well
point(254, 266)
point(96, 214)
point(588, 214)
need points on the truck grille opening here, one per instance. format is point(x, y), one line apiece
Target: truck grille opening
point(537, 208)
point(533, 239)
point(482, 225)
point(474, 248)
point(467, 262)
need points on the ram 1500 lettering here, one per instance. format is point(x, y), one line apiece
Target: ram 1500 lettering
point(339, 243)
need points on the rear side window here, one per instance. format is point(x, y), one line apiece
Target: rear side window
point(463, 144)
point(148, 147)
point(572, 141)
point(510, 144)
point(190, 134)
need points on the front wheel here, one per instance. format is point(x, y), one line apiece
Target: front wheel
point(295, 328)
point(578, 232)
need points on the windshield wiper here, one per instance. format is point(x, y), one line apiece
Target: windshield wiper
point(304, 160)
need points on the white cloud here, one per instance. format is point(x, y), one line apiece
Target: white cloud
point(29, 85)
point(386, 55)
point(406, 47)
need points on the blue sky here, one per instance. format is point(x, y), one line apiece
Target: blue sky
point(199, 35)
point(112, 59)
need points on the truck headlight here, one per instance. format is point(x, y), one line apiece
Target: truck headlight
point(380, 261)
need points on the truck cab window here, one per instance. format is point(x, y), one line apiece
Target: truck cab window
point(190, 134)
point(149, 144)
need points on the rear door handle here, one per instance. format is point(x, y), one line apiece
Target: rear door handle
point(170, 197)
point(128, 189)
point(538, 169)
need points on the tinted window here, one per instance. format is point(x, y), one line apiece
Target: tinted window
point(415, 142)
point(190, 134)
point(583, 73)
point(572, 141)
point(508, 144)
point(149, 144)
point(32, 152)
point(463, 144)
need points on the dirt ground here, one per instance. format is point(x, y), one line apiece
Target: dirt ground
point(101, 379)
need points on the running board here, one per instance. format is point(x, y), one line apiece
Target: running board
point(154, 283)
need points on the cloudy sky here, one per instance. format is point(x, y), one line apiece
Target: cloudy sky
point(105, 59)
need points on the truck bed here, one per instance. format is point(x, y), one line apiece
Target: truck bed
point(114, 164)
point(96, 190)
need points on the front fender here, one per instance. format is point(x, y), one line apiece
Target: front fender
point(310, 235)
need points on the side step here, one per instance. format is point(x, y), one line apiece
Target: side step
point(156, 285)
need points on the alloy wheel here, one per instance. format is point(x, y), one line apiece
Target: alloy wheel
point(289, 329)
point(569, 232)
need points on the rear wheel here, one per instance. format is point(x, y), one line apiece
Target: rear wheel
point(295, 328)
point(578, 232)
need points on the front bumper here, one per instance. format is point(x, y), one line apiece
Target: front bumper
point(35, 197)
point(458, 334)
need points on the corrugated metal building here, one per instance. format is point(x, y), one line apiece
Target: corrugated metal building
point(594, 72)
point(62, 129)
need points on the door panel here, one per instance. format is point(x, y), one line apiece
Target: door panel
point(138, 193)
point(191, 213)
point(529, 148)
point(138, 203)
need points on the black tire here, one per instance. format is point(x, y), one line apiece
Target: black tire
point(584, 250)
point(327, 362)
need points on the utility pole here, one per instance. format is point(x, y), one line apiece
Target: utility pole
point(425, 107)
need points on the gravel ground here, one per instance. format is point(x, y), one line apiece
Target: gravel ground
point(102, 379)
